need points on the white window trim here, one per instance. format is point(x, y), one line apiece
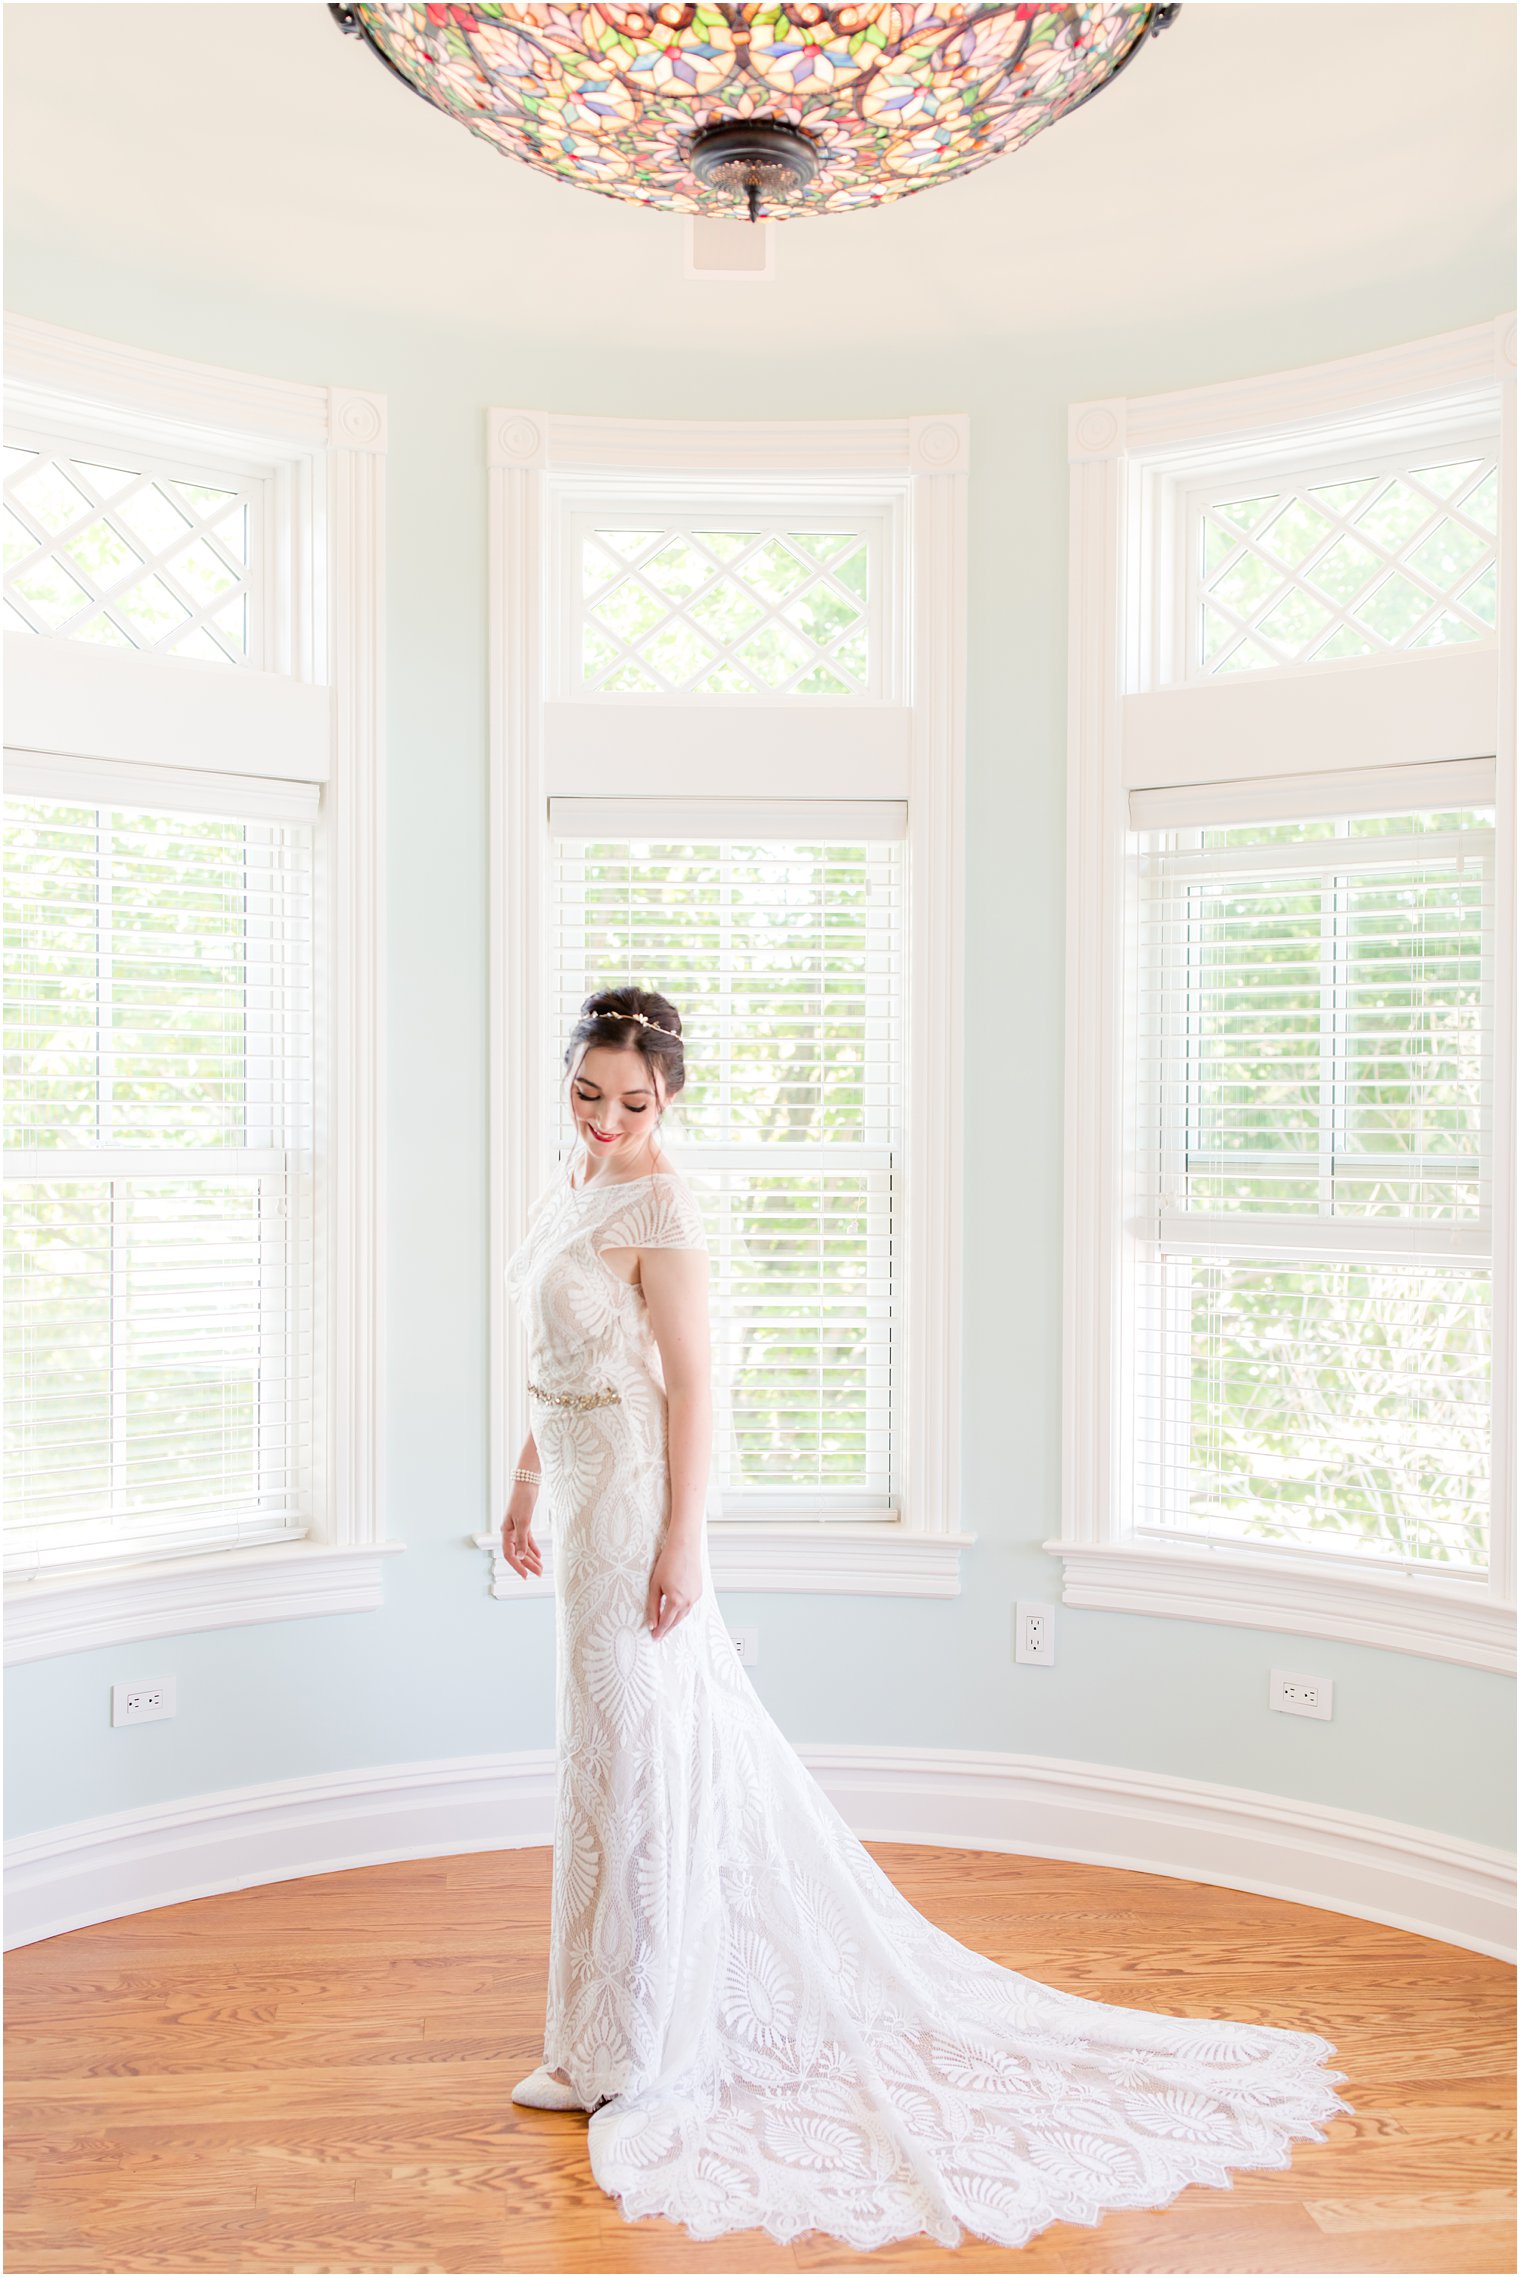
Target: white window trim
point(320, 718)
point(836, 747)
point(1130, 730)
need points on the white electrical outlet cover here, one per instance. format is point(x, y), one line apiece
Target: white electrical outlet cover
point(147, 1701)
point(1043, 1651)
point(1296, 1695)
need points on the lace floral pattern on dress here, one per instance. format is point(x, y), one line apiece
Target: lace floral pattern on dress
point(787, 2043)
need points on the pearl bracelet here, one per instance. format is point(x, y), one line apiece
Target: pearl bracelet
point(529, 1478)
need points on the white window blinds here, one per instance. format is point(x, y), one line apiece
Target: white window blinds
point(158, 1192)
point(1311, 1016)
point(781, 943)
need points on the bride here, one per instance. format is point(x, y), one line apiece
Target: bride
point(765, 2032)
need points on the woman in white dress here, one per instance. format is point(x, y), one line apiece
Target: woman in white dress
point(765, 2032)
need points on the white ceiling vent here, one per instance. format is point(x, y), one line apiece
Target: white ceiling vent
point(728, 248)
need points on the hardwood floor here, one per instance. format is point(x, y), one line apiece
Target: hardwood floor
point(314, 2076)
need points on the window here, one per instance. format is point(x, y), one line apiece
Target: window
point(1314, 1303)
point(159, 1134)
point(786, 958)
point(727, 763)
point(1289, 1355)
point(772, 609)
point(128, 554)
point(1355, 559)
point(192, 847)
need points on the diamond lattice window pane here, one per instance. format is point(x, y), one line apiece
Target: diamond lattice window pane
point(1345, 643)
point(102, 555)
point(50, 500)
point(1446, 630)
point(774, 656)
point(1481, 505)
point(19, 541)
point(677, 570)
point(1446, 481)
point(231, 534)
point(1345, 569)
point(169, 557)
point(50, 594)
point(726, 612)
point(202, 574)
point(231, 621)
point(1296, 532)
point(1295, 621)
point(1448, 553)
point(630, 610)
point(708, 612)
point(204, 501)
point(822, 615)
point(151, 610)
point(726, 545)
point(774, 571)
point(1393, 610)
point(728, 680)
point(1399, 557)
point(629, 544)
point(1395, 515)
point(822, 682)
point(103, 632)
point(1481, 596)
point(199, 643)
point(106, 481)
point(678, 655)
point(153, 517)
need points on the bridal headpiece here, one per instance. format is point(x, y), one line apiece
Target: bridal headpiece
point(606, 1012)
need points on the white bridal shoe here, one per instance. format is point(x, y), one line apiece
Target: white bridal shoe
point(543, 2092)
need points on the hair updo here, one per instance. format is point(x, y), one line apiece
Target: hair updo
point(634, 1019)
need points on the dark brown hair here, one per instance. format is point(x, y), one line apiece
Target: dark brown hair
point(634, 1019)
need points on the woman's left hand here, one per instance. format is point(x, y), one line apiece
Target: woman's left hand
point(674, 1587)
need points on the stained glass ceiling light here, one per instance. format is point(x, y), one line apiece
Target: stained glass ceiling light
point(783, 110)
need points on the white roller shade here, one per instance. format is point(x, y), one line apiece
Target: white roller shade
point(784, 955)
point(158, 1188)
point(1312, 1014)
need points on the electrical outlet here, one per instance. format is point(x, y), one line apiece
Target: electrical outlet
point(143, 1703)
point(1034, 1632)
point(1300, 1695)
point(746, 1645)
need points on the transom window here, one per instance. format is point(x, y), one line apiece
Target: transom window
point(1347, 562)
point(744, 607)
point(786, 959)
point(1313, 1008)
point(124, 554)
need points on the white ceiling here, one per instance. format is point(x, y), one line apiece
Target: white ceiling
point(1277, 152)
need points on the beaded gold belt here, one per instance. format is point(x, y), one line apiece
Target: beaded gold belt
point(577, 1400)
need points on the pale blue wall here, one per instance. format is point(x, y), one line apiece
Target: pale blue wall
point(444, 1671)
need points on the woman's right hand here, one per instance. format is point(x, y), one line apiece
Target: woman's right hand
point(518, 1547)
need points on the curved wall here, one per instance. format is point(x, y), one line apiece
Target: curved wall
point(442, 1671)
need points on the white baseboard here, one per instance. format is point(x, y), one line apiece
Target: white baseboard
point(1435, 1885)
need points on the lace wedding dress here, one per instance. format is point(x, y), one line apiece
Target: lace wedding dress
point(786, 2043)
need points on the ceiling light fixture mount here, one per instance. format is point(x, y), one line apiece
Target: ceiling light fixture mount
point(746, 158)
point(790, 110)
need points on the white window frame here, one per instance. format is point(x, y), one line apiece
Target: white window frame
point(909, 745)
point(1137, 724)
point(109, 723)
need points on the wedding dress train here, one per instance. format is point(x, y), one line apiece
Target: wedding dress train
point(787, 2044)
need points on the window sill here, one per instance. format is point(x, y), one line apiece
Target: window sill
point(1442, 1621)
point(284, 1582)
point(856, 1560)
